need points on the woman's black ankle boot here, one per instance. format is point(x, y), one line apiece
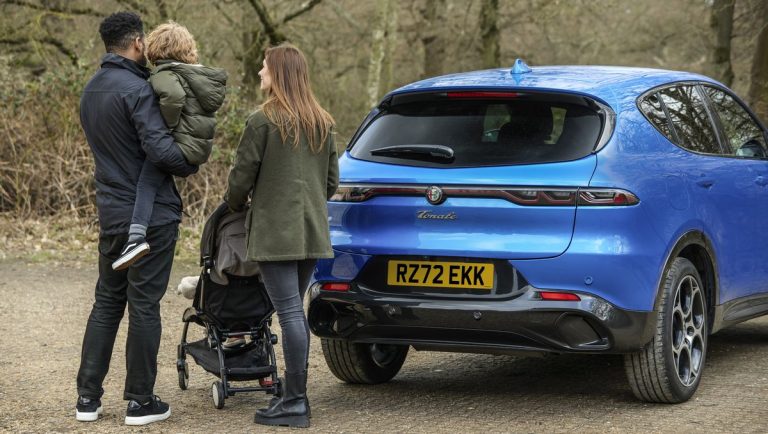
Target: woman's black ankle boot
point(292, 409)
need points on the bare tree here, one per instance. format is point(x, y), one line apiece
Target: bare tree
point(270, 32)
point(721, 22)
point(390, 42)
point(53, 17)
point(378, 49)
point(26, 37)
point(758, 87)
point(434, 44)
point(489, 32)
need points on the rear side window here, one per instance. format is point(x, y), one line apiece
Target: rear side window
point(690, 119)
point(482, 132)
point(653, 110)
point(743, 135)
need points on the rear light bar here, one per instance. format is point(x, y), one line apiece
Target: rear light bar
point(521, 196)
point(335, 286)
point(559, 296)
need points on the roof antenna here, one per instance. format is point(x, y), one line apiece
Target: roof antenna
point(520, 67)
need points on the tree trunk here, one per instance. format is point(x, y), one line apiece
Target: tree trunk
point(434, 48)
point(721, 23)
point(378, 50)
point(758, 87)
point(489, 32)
point(254, 43)
point(390, 41)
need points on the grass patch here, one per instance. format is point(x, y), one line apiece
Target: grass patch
point(72, 240)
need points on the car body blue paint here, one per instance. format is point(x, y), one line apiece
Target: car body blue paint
point(614, 85)
point(616, 253)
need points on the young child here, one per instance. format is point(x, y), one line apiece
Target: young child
point(189, 95)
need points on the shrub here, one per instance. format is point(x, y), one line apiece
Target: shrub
point(46, 168)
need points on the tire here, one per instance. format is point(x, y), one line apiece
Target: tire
point(669, 368)
point(363, 363)
point(217, 393)
point(183, 374)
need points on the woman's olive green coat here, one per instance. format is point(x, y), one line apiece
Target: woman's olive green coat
point(289, 187)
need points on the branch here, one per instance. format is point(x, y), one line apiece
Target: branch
point(14, 41)
point(162, 10)
point(54, 9)
point(63, 49)
point(275, 36)
point(343, 14)
point(306, 7)
point(226, 16)
point(134, 5)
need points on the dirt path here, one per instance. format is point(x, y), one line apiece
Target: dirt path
point(44, 309)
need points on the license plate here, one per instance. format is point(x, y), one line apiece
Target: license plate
point(440, 274)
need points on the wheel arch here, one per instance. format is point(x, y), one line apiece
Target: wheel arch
point(696, 247)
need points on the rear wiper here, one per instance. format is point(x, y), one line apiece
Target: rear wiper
point(440, 153)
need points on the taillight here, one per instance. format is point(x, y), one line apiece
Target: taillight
point(335, 286)
point(558, 296)
point(529, 196)
point(607, 198)
point(541, 197)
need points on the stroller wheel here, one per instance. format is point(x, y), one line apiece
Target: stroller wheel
point(217, 393)
point(183, 374)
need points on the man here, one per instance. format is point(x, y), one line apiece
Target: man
point(123, 125)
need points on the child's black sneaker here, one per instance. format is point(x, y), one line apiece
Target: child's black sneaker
point(131, 253)
point(141, 414)
point(87, 410)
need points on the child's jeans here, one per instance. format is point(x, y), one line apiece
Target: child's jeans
point(150, 179)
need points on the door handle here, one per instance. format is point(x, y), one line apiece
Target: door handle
point(705, 182)
point(761, 181)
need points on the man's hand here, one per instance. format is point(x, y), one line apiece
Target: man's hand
point(156, 141)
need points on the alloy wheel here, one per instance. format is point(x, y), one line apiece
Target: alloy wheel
point(688, 330)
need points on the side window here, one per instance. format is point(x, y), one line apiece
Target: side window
point(743, 135)
point(690, 120)
point(652, 109)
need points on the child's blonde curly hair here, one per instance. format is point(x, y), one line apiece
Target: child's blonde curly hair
point(171, 41)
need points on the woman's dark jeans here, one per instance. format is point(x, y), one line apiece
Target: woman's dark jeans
point(286, 283)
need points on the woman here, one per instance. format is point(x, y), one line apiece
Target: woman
point(287, 161)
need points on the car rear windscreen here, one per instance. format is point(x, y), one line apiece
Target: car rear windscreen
point(441, 131)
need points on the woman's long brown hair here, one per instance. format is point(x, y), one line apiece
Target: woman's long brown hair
point(290, 103)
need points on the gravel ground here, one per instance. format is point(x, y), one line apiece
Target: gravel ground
point(44, 310)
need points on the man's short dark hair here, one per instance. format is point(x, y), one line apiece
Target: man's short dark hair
point(119, 29)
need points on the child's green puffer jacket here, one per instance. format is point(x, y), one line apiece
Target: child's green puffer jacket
point(189, 97)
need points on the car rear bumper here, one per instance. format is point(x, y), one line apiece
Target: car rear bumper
point(522, 323)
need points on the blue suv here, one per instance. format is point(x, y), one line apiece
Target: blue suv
point(556, 209)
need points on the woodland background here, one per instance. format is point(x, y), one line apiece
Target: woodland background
point(357, 51)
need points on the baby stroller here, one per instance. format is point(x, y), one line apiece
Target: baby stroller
point(230, 302)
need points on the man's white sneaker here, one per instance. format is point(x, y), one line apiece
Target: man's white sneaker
point(141, 414)
point(87, 410)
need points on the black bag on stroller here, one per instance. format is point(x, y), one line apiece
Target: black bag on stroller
point(230, 302)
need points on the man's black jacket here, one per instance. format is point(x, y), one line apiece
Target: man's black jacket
point(122, 122)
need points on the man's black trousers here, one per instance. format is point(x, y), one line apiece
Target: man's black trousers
point(140, 287)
